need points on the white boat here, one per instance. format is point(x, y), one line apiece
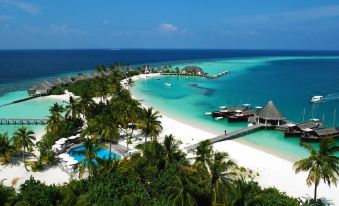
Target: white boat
point(168, 84)
point(317, 99)
point(217, 118)
point(222, 107)
point(208, 113)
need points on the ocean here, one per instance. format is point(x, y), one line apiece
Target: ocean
point(288, 78)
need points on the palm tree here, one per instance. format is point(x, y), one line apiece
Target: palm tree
point(150, 124)
point(55, 120)
point(91, 157)
point(203, 153)
point(73, 108)
point(129, 83)
point(321, 165)
point(181, 192)
point(222, 174)
point(6, 148)
point(23, 139)
point(171, 150)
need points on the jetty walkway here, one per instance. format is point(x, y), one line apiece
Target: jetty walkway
point(231, 135)
point(12, 121)
point(197, 75)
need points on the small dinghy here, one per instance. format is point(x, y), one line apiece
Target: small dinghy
point(168, 84)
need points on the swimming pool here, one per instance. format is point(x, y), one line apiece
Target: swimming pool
point(102, 153)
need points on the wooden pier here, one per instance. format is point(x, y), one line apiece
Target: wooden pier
point(13, 121)
point(197, 75)
point(230, 136)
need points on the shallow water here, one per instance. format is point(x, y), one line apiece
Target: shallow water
point(289, 81)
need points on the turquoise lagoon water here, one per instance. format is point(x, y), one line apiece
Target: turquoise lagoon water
point(289, 81)
point(102, 153)
point(35, 108)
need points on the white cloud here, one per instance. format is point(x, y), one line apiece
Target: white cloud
point(64, 29)
point(165, 27)
point(26, 7)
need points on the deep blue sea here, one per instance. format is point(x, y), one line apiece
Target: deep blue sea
point(289, 78)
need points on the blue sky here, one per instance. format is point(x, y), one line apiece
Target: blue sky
point(255, 24)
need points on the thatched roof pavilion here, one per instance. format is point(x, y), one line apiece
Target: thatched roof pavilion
point(192, 70)
point(269, 115)
point(68, 80)
point(57, 82)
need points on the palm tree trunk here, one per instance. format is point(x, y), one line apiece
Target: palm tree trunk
point(110, 149)
point(315, 191)
point(23, 156)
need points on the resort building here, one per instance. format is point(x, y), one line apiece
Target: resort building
point(42, 89)
point(316, 135)
point(68, 80)
point(192, 70)
point(269, 115)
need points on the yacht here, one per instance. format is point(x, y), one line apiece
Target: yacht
point(317, 99)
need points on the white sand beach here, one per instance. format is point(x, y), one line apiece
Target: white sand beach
point(273, 171)
point(16, 170)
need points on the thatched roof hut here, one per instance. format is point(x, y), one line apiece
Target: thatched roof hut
point(192, 70)
point(57, 82)
point(68, 80)
point(270, 115)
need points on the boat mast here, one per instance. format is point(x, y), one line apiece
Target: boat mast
point(304, 114)
point(324, 118)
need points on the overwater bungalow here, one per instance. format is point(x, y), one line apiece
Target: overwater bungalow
point(49, 84)
point(319, 134)
point(241, 115)
point(43, 89)
point(58, 82)
point(68, 80)
point(192, 70)
point(269, 115)
point(298, 129)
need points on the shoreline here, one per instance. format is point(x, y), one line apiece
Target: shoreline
point(274, 171)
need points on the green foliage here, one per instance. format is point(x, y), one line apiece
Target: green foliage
point(82, 88)
point(6, 148)
point(272, 197)
point(38, 194)
point(7, 195)
point(110, 188)
point(36, 166)
point(57, 91)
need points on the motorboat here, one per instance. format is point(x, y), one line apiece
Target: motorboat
point(168, 84)
point(208, 113)
point(316, 99)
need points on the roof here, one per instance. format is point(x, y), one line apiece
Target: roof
point(43, 86)
point(48, 83)
point(270, 112)
point(57, 82)
point(305, 125)
point(326, 131)
point(192, 69)
point(68, 80)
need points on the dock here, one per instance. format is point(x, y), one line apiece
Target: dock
point(230, 136)
point(204, 75)
point(14, 121)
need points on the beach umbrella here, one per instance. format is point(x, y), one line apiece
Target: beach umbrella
point(71, 162)
point(290, 124)
point(72, 137)
point(63, 139)
point(63, 155)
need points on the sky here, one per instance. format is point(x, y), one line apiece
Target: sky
point(214, 24)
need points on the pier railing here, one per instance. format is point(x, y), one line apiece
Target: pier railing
point(13, 121)
point(230, 136)
point(196, 75)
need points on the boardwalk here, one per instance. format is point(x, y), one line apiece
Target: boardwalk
point(22, 121)
point(197, 75)
point(230, 136)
